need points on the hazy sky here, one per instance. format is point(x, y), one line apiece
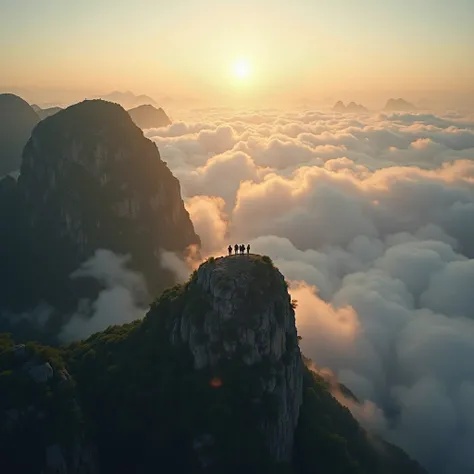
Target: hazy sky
point(293, 48)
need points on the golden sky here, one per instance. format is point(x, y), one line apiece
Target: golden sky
point(193, 48)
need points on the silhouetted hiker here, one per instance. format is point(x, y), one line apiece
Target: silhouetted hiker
point(229, 248)
point(242, 249)
point(248, 249)
point(236, 248)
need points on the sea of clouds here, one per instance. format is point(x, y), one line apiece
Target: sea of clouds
point(371, 217)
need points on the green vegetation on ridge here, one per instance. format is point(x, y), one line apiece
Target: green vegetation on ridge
point(145, 407)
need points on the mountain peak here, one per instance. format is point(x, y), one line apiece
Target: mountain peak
point(339, 106)
point(351, 107)
point(147, 116)
point(150, 403)
point(399, 105)
point(90, 180)
point(245, 312)
point(236, 312)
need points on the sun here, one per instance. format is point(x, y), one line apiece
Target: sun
point(241, 68)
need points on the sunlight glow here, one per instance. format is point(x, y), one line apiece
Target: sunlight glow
point(241, 68)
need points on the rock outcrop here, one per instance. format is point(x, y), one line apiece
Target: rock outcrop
point(147, 116)
point(211, 380)
point(90, 180)
point(40, 419)
point(17, 120)
point(238, 310)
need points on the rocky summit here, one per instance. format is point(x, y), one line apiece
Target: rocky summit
point(245, 316)
point(211, 380)
point(90, 180)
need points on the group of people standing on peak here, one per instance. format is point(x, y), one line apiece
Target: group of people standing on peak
point(238, 249)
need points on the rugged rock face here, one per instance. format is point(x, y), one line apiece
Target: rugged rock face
point(40, 418)
point(239, 310)
point(91, 180)
point(7, 188)
point(147, 116)
point(210, 381)
point(12, 248)
point(17, 120)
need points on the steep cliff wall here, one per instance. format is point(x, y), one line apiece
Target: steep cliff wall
point(41, 424)
point(89, 180)
point(238, 310)
point(17, 120)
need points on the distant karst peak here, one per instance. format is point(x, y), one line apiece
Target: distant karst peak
point(147, 116)
point(351, 107)
point(399, 105)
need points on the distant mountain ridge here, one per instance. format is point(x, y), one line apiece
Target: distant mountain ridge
point(399, 105)
point(352, 107)
point(144, 116)
point(127, 99)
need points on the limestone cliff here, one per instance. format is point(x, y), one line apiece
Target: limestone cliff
point(41, 423)
point(210, 381)
point(238, 310)
point(17, 120)
point(90, 180)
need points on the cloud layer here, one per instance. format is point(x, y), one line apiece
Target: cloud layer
point(117, 303)
point(372, 219)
